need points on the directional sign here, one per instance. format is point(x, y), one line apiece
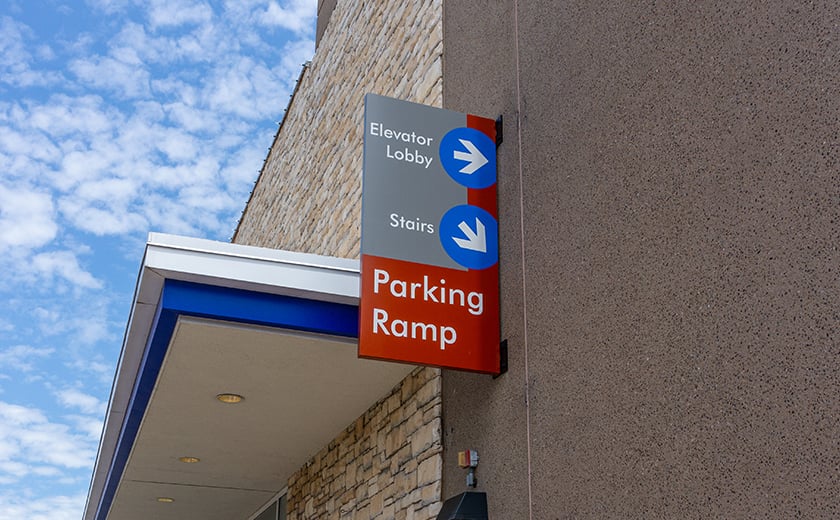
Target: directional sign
point(469, 235)
point(430, 247)
point(469, 157)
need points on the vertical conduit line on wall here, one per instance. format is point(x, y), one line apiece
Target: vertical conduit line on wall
point(522, 242)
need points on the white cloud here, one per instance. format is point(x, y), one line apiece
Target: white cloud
point(13, 53)
point(201, 44)
point(295, 15)
point(89, 331)
point(251, 90)
point(84, 324)
point(43, 314)
point(46, 471)
point(22, 357)
point(14, 469)
point(86, 403)
point(241, 167)
point(130, 80)
point(90, 426)
point(108, 219)
point(178, 146)
point(83, 165)
point(109, 6)
point(65, 265)
point(233, 87)
point(27, 218)
point(186, 214)
point(67, 116)
point(15, 59)
point(101, 373)
point(25, 143)
point(13, 506)
point(192, 119)
point(30, 440)
point(171, 13)
point(295, 54)
point(115, 190)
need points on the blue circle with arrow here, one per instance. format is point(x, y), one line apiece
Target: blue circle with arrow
point(469, 157)
point(470, 236)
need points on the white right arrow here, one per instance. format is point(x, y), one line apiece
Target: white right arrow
point(473, 155)
point(476, 240)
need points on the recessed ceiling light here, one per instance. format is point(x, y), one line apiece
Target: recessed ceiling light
point(189, 460)
point(230, 398)
point(165, 500)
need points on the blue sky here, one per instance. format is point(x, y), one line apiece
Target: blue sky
point(117, 117)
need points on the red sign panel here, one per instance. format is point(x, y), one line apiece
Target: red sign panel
point(430, 273)
point(429, 315)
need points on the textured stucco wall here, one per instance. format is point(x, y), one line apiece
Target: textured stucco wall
point(674, 349)
point(308, 196)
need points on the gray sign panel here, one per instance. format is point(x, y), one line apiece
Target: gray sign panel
point(406, 191)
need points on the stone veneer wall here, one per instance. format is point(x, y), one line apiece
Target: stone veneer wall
point(308, 196)
point(386, 465)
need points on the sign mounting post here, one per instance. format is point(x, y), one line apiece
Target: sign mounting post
point(430, 247)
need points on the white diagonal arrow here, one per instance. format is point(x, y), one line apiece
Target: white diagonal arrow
point(476, 240)
point(473, 155)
